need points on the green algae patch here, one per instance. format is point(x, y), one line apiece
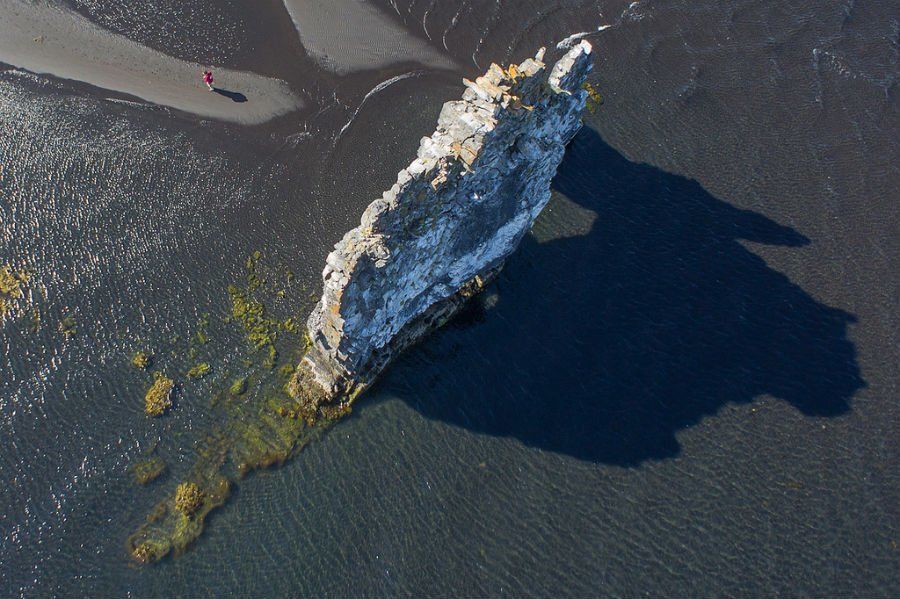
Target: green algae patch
point(267, 438)
point(159, 396)
point(286, 373)
point(178, 519)
point(201, 336)
point(68, 327)
point(250, 313)
point(333, 413)
point(199, 371)
point(259, 425)
point(291, 325)
point(238, 386)
point(147, 471)
point(247, 310)
point(270, 358)
point(141, 360)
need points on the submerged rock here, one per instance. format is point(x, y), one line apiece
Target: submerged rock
point(11, 288)
point(159, 396)
point(188, 497)
point(146, 471)
point(444, 230)
point(198, 371)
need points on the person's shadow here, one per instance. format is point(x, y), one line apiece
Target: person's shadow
point(233, 96)
point(603, 346)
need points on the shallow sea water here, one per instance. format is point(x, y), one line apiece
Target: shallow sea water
point(684, 382)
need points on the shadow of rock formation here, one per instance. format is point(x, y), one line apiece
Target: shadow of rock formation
point(604, 345)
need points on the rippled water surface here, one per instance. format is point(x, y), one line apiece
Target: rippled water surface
point(684, 382)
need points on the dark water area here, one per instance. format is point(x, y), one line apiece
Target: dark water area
point(686, 380)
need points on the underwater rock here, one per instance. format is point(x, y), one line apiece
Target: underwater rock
point(178, 520)
point(146, 471)
point(445, 229)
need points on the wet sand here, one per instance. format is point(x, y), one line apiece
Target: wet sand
point(349, 35)
point(49, 40)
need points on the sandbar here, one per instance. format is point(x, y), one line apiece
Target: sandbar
point(353, 35)
point(50, 40)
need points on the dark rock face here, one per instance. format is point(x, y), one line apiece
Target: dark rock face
point(448, 224)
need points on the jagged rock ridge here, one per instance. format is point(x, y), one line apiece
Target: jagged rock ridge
point(446, 227)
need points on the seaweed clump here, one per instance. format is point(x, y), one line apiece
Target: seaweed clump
point(261, 329)
point(150, 551)
point(199, 371)
point(11, 288)
point(188, 497)
point(141, 360)
point(159, 396)
point(146, 471)
point(594, 99)
point(268, 435)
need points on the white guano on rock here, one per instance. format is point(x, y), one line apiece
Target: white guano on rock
point(446, 227)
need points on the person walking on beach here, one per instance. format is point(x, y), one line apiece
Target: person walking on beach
point(208, 79)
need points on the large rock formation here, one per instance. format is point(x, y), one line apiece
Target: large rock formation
point(447, 226)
